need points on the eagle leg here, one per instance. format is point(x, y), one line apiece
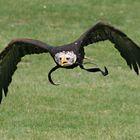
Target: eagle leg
point(104, 73)
point(49, 75)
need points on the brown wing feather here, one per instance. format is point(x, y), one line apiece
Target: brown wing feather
point(127, 48)
point(12, 54)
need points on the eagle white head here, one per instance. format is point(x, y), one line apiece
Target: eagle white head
point(65, 58)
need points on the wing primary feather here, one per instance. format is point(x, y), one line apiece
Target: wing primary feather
point(1, 95)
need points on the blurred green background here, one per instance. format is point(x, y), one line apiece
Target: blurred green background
point(84, 105)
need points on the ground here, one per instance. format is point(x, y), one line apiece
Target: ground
point(84, 105)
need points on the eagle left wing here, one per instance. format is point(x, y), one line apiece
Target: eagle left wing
point(127, 48)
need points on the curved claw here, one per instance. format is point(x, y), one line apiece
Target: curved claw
point(49, 75)
point(105, 72)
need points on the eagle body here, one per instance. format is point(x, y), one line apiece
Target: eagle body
point(72, 48)
point(67, 56)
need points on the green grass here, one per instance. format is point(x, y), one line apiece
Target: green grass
point(84, 106)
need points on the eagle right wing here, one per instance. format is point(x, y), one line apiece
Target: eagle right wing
point(12, 54)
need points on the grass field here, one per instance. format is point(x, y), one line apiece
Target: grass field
point(84, 106)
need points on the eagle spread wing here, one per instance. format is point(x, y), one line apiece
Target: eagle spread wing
point(12, 54)
point(127, 48)
point(18, 48)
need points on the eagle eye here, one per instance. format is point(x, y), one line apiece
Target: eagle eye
point(67, 58)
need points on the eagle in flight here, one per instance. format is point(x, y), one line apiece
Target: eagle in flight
point(67, 56)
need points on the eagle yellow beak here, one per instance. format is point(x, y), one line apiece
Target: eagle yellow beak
point(63, 61)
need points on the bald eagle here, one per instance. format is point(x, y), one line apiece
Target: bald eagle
point(67, 56)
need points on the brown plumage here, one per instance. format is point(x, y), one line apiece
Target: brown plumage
point(67, 56)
